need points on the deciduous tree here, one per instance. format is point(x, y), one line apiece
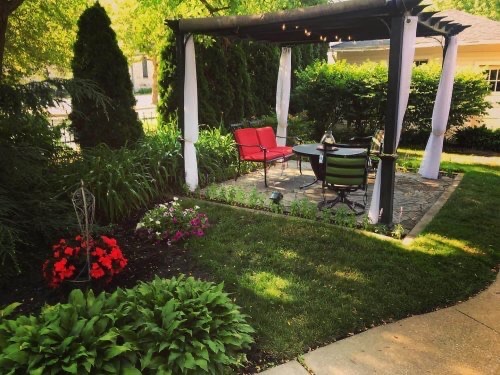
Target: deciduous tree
point(36, 34)
point(487, 8)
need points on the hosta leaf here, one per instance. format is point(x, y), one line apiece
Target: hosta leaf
point(189, 361)
point(9, 309)
point(202, 363)
point(115, 350)
point(129, 370)
point(77, 298)
point(72, 369)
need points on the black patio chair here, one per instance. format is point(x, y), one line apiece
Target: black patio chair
point(344, 175)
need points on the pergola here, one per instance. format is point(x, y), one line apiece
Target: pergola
point(401, 21)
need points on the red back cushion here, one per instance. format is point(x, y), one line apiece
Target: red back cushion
point(247, 136)
point(267, 137)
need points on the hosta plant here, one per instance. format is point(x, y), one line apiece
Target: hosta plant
point(184, 326)
point(69, 260)
point(177, 326)
point(169, 222)
point(78, 337)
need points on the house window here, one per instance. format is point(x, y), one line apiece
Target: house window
point(144, 67)
point(421, 62)
point(493, 77)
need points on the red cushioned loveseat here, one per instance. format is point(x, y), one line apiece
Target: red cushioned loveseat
point(259, 145)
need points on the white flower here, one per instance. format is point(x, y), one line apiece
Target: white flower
point(150, 219)
point(158, 234)
point(176, 199)
point(196, 207)
point(139, 225)
point(157, 222)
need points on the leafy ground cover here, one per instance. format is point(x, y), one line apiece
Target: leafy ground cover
point(306, 283)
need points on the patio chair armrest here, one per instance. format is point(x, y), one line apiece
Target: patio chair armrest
point(296, 140)
point(244, 145)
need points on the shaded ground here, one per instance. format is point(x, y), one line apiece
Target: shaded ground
point(145, 261)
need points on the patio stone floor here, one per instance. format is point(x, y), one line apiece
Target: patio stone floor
point(413, 195)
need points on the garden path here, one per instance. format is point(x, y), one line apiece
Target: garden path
point(462, 339)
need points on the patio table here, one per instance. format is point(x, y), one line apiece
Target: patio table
point(311, 150)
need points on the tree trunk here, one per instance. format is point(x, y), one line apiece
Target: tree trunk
point(3, 31)
point(154, 93)
point(6, 9)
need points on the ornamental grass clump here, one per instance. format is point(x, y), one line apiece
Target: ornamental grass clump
point(69, 260)
point(170, 223)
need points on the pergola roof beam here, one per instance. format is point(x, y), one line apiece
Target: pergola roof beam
point(357, 19)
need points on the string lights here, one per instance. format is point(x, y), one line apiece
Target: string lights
point(321, 37)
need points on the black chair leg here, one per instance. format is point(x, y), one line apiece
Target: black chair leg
point(329, 203)
point(265, 175)
point(238, 171)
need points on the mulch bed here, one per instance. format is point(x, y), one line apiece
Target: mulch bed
point(145, 262)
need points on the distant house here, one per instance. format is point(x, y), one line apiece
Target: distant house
point(141, 73)
point(479, 47)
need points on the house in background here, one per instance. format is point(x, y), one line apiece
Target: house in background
point(141, 73)
point(479, 47)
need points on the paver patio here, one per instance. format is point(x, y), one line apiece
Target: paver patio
point(413, 195)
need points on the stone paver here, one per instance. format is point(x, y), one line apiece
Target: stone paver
point(447, 341)
point(289, 368)
point(413, 194)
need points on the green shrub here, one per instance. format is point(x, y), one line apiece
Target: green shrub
point(78, 337)
point(477, 138)
point(97, 57)
point(334, 93)
point(125, 180)
point(469, 92)
point(235, 79)
point(177, 326)
point(355, 95)
point(184, 325)
point(217, 156)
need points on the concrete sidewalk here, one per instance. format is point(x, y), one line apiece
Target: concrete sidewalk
point(462, 339)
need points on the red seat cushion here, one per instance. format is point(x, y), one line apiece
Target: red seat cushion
point(259, 156)
point(247, 136)
point(267, 137)
point(283, 150)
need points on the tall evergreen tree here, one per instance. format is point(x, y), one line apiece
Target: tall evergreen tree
point(97, 57)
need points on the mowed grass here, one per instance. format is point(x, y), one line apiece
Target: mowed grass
point(305, 283)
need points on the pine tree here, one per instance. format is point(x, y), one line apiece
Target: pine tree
point(97, 57)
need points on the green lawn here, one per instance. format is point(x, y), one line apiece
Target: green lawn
point(305, 283)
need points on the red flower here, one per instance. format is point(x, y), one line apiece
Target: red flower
point(68, 251)
point(61, 265)
point(116, 253)
point(69, 256)
point(109, 241)
point(98, 252)
point(96, 272)
point(106, 262)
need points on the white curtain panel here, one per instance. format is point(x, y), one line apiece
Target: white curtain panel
point(432, 156)
point(283, 94)
point(191, 130)
point(408, 54)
